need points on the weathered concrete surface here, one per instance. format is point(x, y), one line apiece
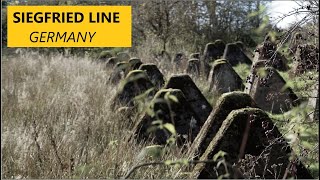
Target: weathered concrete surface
point(250, 131)
point(295, 41)
point(234, 55)
point(268, 90)
point(225, 104)
point(193, 95)
point(135, 63)
point(193, 67)
point(176, 111)
point(154, 74)
point(123, 56)
point(135, 83)
point(240, 44)
point(268, 53)
point(306, 58)
point(244, 49)
point(111, 62)
point(120, 71)
point(104, 56)
point(194, 56)
point(223, 78)
point(212, 52)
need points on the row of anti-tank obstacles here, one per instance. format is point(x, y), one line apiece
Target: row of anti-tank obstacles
point(239, 112)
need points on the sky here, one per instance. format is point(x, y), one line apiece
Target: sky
point(278, 8)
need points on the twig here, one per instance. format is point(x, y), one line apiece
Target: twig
point(35, 138)
point(273, 57)
point(163, 163)
point(245, 137)
point(54, 146)
point(274, 141)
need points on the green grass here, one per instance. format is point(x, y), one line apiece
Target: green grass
point(302, 84)
point(243, 70)
point(302, 134)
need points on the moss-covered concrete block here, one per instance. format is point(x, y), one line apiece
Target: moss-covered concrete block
point(269, 91)
point(267, 52)
point(123, 56)
point(234, 55)
point(212, 52)
point(193, 67)
point(119, 72)
point(175, 110)
point(223, 78)
point(135, 63)
point(246, 51)
point(154, 74)
point(225, 104)
point(111, 62)
point(193, 95)
point(250, 131)
point(104, 56)
point(135, 84)
point(306, 58)
point(194, 56)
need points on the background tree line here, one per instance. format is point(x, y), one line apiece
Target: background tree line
point(195, 23)
point(167, 25)
point(191, 24)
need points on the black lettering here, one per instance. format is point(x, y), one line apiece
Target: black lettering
point(37, 18)
point(90, 18)
point(29, 17)
point(63, 15)
point(55, 17)
point(47, 16)
point(23, 17)
point(69, 17)
point(77, 14)
point(116, 17)
point(64, 35)
point(71, 37)
point(107, 17)
point(91, 37)
point(35, 37)
point(82, 37)
point(15, 15)
point(42, 37)
point(98, 17)
point(50, 36)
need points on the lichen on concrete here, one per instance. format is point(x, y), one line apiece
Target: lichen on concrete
point(225, 104)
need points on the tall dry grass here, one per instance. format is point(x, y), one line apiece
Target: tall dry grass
point(56, 122)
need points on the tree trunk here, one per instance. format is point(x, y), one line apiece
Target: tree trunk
point(258, 10)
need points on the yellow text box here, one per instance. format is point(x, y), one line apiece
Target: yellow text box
point(69, 26)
